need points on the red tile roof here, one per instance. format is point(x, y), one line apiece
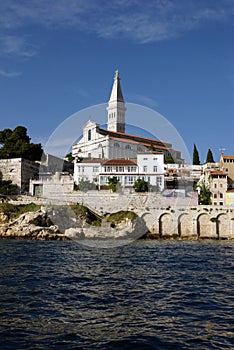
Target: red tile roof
point(218, 173)
point(118, 162)
point(228, 157)
point(138, 139)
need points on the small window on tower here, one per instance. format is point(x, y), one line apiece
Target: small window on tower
point(89, 135)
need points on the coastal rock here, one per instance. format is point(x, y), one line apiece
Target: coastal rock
point(32, 225)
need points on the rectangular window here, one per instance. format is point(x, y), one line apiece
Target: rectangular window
point(220, 195)
point(108, 169)
point(145, 168)
point(159, 180)
point(221, 185)
point(95, 169)
point(119, 169)
point(215, 195)
point(145, 158)
point(155, 168)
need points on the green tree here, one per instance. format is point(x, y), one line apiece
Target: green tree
point(7, 188)
point(205, 195)
point(209, 157)
point(196, 160)
point(141, 186)
point(69, 157)
point(113, 183)
point(86, 185)
point(16, 144)
point(169, 160)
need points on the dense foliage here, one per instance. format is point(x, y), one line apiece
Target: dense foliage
point(113, 183)
point(16, 144)
point(7, 188)
point(169, 160)
point(141, 186)
point(196, 160)
point(209, 157)
point(205, 195)
point(85, 185)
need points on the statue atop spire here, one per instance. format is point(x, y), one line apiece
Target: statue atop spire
point(116, 74)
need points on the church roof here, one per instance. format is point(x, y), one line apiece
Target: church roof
point(135, 139)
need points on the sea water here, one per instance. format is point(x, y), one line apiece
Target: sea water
point(145, 295)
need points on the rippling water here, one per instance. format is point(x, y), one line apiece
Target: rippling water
point(147, 295)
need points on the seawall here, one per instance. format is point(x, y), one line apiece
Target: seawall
point(163, 218)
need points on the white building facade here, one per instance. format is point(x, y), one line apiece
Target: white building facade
point(147, 166)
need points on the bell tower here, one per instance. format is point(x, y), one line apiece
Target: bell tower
point(116, 107)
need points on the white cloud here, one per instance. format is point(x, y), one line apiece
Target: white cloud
point(131, 19)
point(19, 45)
point(5, 74)
point(145, 100)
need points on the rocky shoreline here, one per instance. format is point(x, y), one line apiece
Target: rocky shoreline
point(31, 225)
point(39, 225)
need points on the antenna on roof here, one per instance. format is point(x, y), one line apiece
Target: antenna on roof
point(221, 149)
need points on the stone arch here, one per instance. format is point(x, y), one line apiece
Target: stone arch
point(165, 225)
point(204, 228)
point(222, 226)
point(185, 225)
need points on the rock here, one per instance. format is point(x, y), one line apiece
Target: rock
point(3, 218)
point(32, 225)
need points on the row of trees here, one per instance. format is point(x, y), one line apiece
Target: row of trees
point(196, 158)
point(113, 184)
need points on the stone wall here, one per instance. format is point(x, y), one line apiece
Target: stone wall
point(19, 171)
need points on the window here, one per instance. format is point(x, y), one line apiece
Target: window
point(145, 168)
point(215, 185)
point(116, 144)
point(145, 158)
point(220, 195)
point(119, 169)
point(89, 135)
point(155, 158)
point(95, 169)
point(220, 203)
point(155, 168)
point(131, 169)
point(108, 169)
point(128, 147)
point(215, 195)
point(221, 185)
point(89, 155)
point(159, 180)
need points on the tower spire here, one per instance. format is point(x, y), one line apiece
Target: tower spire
point(116, 107)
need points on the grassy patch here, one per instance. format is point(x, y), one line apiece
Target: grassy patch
point(13, 211)
point(84, 213)
point(121, 215)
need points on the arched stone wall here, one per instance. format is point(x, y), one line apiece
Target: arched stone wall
point(185, 225)
point(166, 227)
point(222, 226)
point(204, 226)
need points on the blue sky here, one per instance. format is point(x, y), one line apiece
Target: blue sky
point(176, 57)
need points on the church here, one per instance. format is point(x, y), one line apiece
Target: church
point(113, 142)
